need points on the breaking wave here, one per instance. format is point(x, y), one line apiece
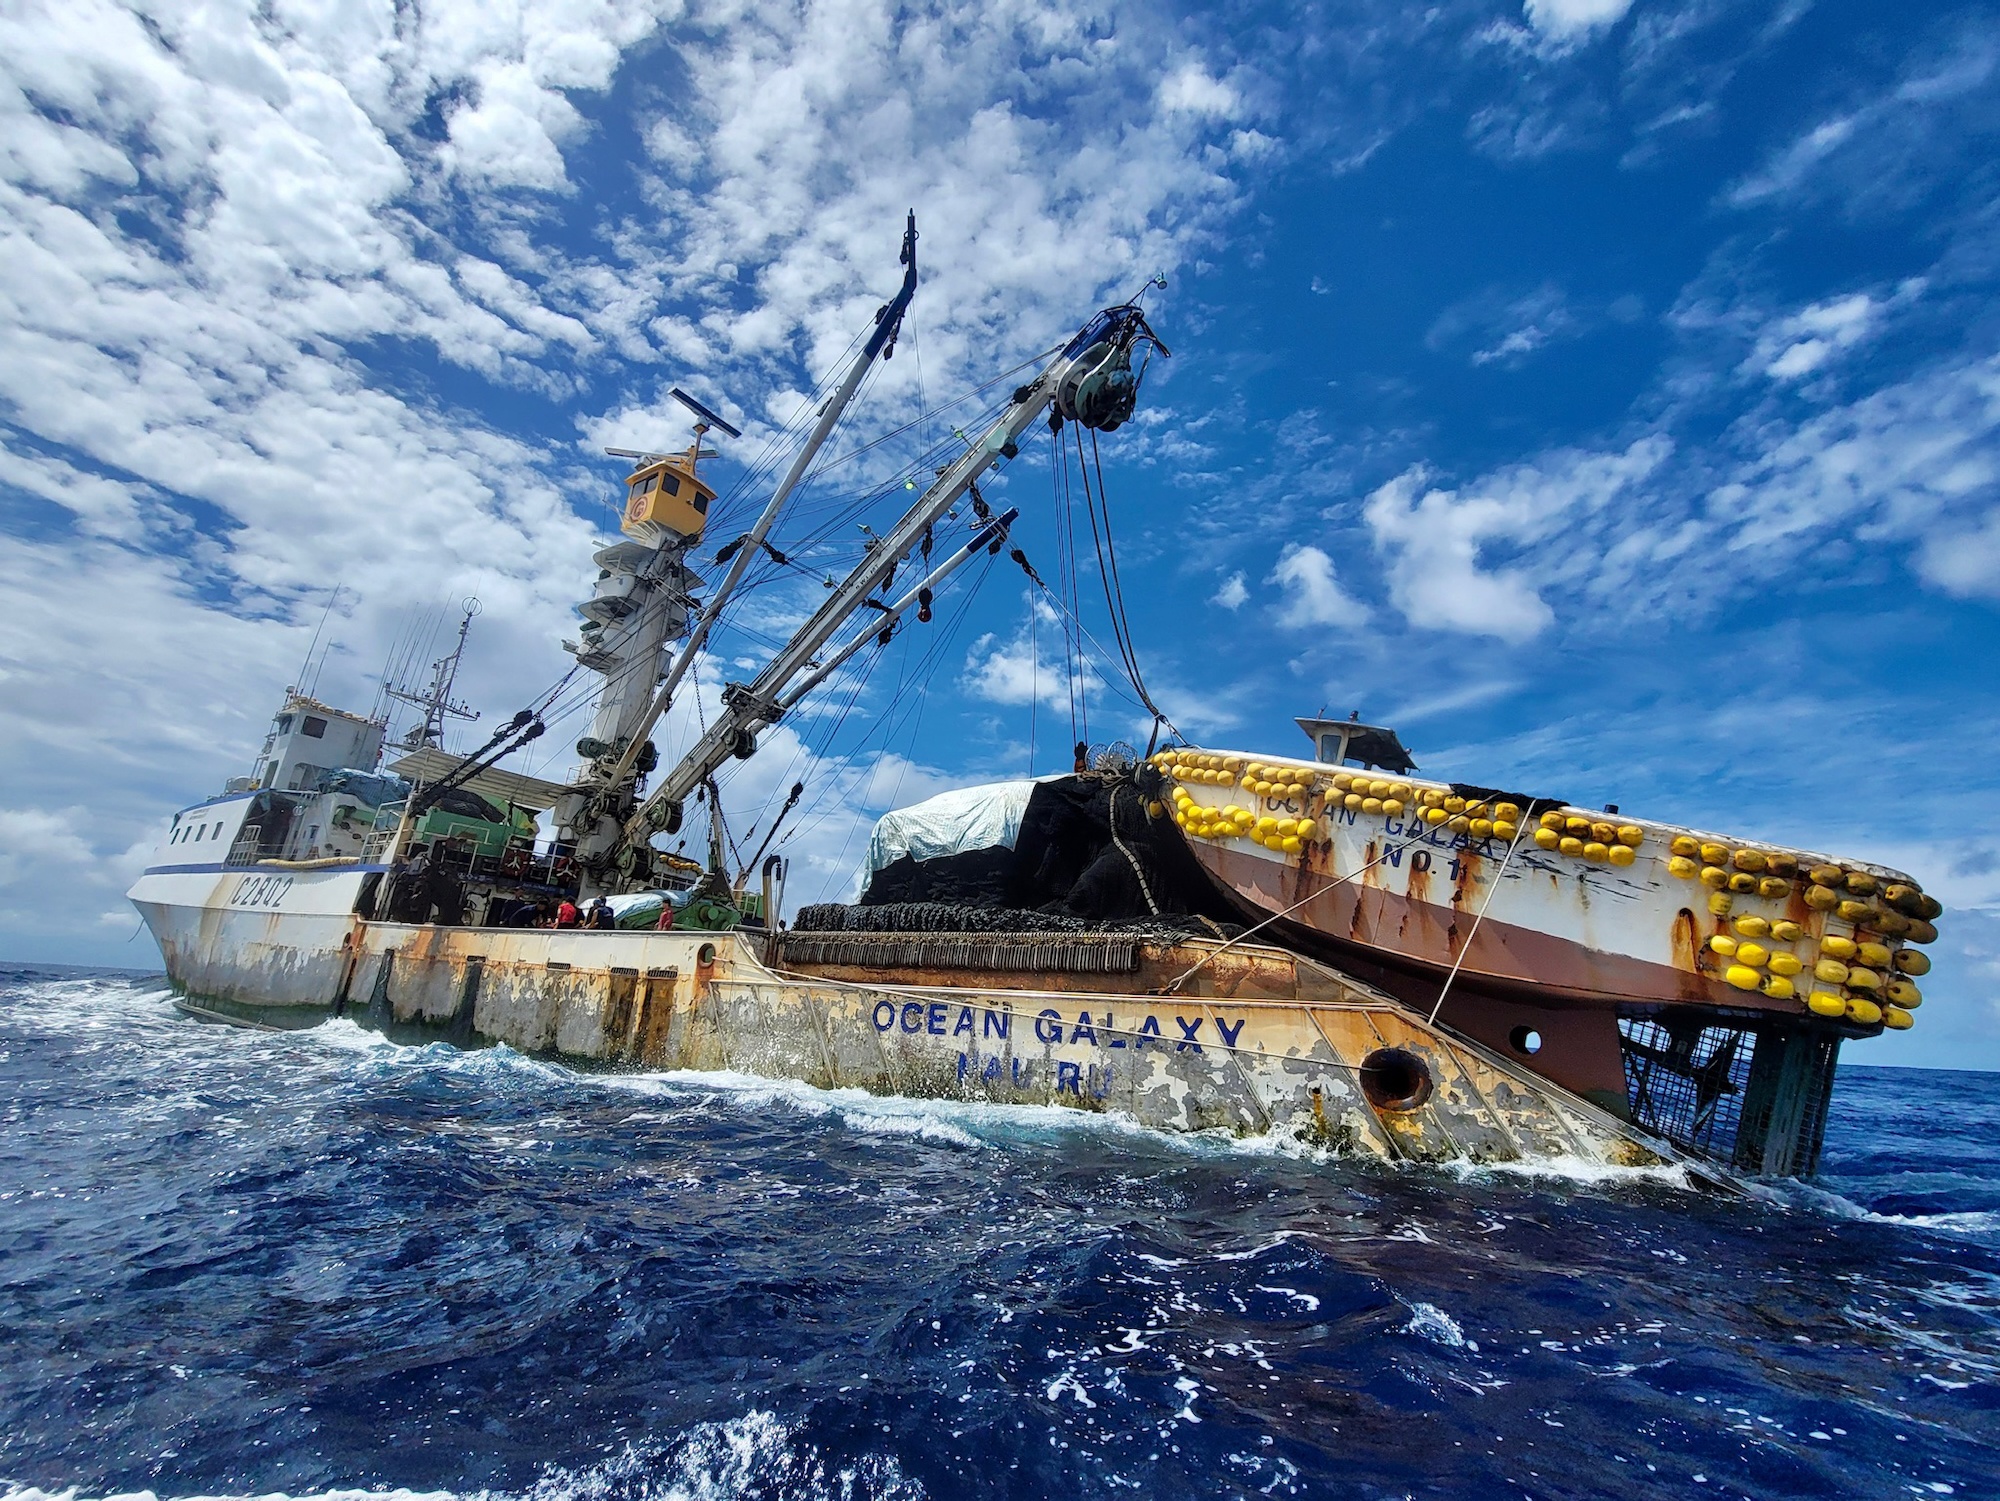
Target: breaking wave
point(319, 1265)
point(748, 1458)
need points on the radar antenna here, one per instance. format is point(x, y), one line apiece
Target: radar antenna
point(704, 420)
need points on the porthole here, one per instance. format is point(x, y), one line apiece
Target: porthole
point(1525, 1040)
point(1395, 1079)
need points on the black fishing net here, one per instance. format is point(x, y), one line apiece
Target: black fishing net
point(972, 877)
point(1089, 848)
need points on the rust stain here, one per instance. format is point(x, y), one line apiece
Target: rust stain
point(1420, 881)
point(1683, 941)
point(1317, 858)
point(1468, 873)
point(620, 994)
point(655, 1018)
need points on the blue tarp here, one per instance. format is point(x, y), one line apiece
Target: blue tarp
point(373, 788)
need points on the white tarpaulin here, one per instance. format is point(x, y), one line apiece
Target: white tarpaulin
point(972, 818)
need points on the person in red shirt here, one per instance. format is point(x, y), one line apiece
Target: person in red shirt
point(566, 914)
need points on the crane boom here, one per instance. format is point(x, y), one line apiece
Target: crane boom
point(1082, 382)
point(888, 323)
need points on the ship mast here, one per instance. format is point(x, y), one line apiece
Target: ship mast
point(435, 699)
point(594, 816)
point(1090, 382)
point(888, 321)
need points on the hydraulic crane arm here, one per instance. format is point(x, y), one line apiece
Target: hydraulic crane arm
point(1090, 382)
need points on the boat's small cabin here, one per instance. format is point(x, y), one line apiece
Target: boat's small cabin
point(664, 496)
point(1348, 742)
point(309, 739)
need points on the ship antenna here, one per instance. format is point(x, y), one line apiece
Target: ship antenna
point(308, 680)
point(435, 698)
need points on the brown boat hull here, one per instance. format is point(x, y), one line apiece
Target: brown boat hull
point(1511, 981)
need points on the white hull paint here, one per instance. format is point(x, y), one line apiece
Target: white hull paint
point(1549, 925)
point(258, 935)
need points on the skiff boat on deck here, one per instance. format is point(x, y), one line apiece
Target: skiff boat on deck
point(1612, 952)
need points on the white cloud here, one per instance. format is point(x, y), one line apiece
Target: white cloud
point(1897, 144)
point(1190, 90)
point(510, 137)
point(1506, 329)
point(1233, 593)
point(1313, 595)
point(1801, 343)
point(1031, 666)
point(1796, 163)
point(1438, 543)
point(1567, 19)
point(1916, 461)
point(1818, 332)
point(1433, 544)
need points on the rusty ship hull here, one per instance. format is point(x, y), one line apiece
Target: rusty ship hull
point(1256, 1041)
point(1520, 934)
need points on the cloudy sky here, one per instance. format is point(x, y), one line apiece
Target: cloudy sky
point(1604, 392)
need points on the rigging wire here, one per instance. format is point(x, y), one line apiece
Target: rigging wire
point(942, 407)
point(1085, 633)
point(1058, 473)
point(914, 715)
point(868, 669)
point(1034, 674)
point(1114, 593)
point(903, 708)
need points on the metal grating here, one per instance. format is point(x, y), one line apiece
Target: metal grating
point(1819, 1099)
point(1685, 1081)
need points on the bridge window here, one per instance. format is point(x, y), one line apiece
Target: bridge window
point(313, 726)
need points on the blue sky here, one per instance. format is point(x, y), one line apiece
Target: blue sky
point(1607, 394)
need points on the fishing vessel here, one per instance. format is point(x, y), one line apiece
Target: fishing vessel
point(1327, 946)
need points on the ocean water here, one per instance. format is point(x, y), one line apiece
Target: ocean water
point(316, 1264)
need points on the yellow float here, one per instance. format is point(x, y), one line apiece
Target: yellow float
point(1904, 994)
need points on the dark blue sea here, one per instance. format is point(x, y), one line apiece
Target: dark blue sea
point(316, 1264)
